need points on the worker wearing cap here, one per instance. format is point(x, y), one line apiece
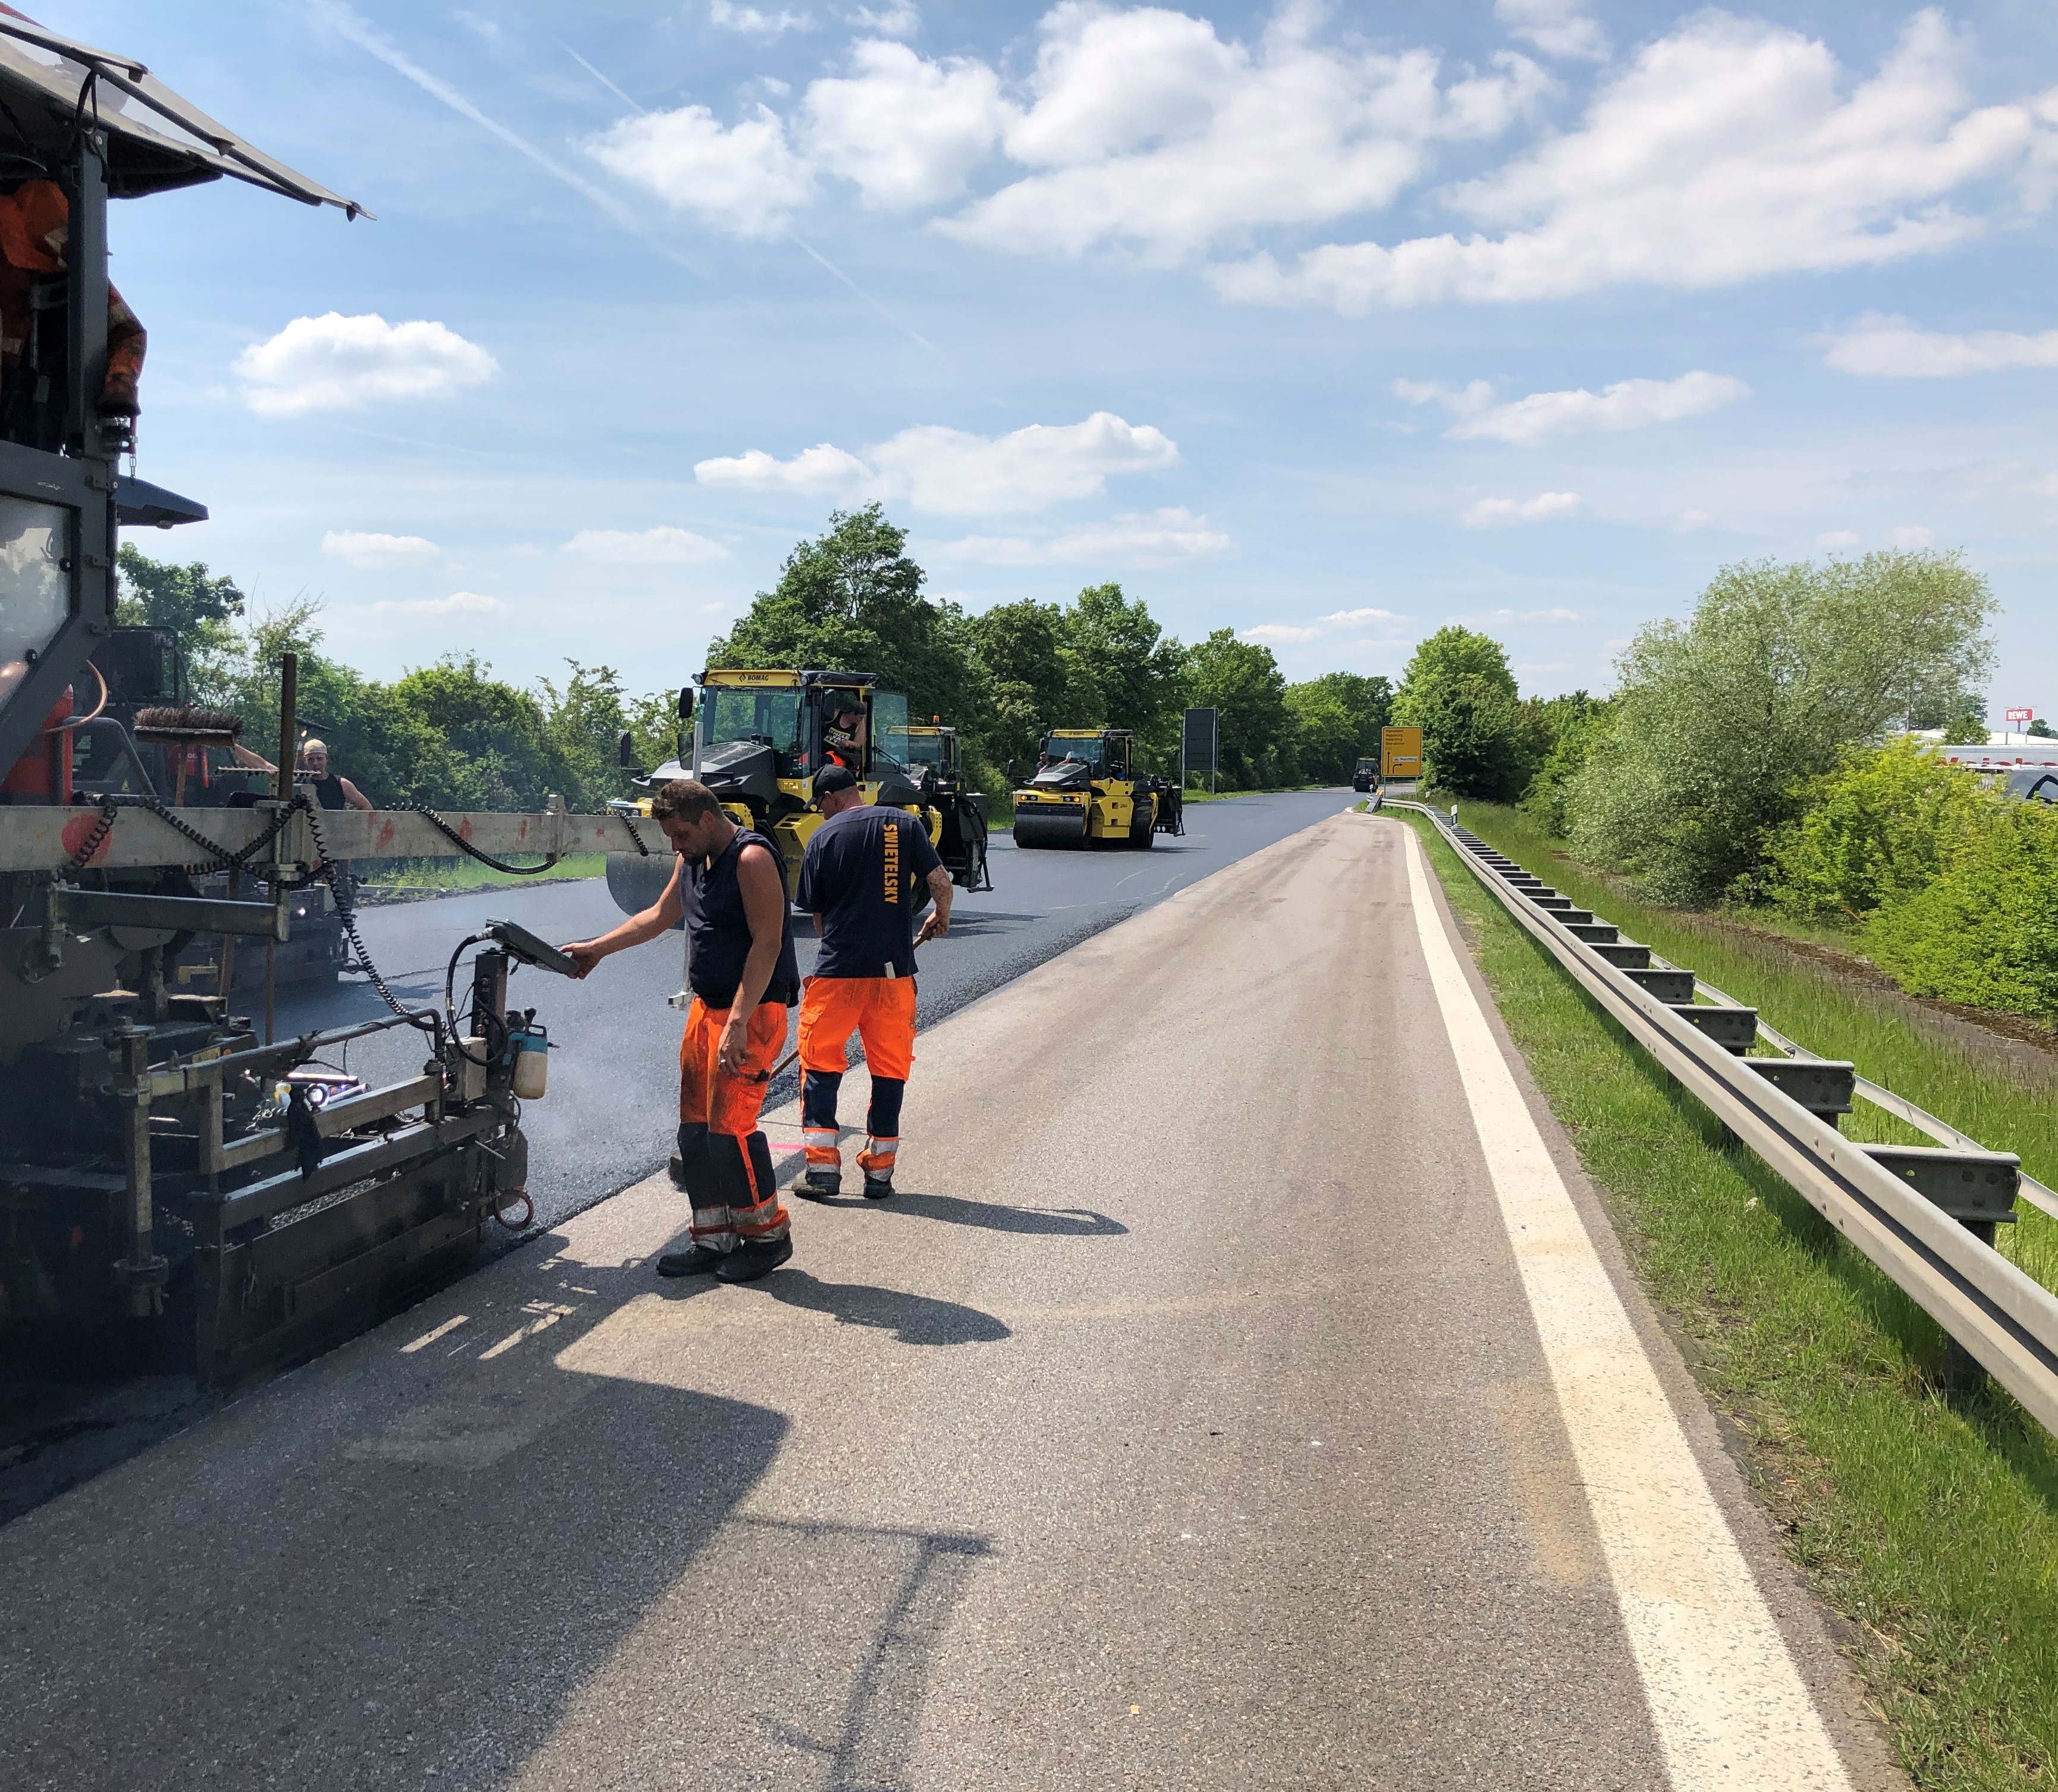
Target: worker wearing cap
point(859, 876)
point(728, 888)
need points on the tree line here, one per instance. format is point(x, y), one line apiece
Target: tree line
point(452, 735)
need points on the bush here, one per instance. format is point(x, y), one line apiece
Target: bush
point(1873, 831)
point(1567, 729)
point(1721, 720)
point(1985, 931)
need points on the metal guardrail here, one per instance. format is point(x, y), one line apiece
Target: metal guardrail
point(1925, 1216)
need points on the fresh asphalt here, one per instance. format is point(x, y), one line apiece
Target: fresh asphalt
point(1197, 1414)
point(611, 1113)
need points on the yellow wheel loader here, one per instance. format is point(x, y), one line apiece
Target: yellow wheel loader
point(1088, 790)
point(759, 740)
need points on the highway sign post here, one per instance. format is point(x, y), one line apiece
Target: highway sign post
point(1199, 741)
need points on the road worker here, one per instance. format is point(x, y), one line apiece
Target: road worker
point(729, 886)
point(843, 740)
point(35, 224)
point(859, 877)
point(311, 773)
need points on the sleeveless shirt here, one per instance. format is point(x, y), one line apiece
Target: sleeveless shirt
point(719, 930)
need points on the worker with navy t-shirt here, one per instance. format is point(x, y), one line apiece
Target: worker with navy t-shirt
point(860, 877)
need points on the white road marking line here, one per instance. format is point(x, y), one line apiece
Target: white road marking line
point(1725, 1697)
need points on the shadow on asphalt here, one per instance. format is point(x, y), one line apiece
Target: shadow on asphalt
point(913, 1318)
point(991, 1216)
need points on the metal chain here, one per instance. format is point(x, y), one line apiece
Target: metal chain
point(346, 912)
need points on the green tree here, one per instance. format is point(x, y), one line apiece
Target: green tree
point(494, 750)
point(1139, 673)
point(1721, 720)
point(1028, 676)
point(1242, 680)
point(582, 726)
point(1337, 717)
point(1475, 741)
point(161, 595)
point(851, 601)
point(1565, 731)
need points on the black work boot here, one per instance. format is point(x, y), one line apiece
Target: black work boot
point(819, 1182)
point(698, 1261)
point(878, 1188)
point(748, 1262)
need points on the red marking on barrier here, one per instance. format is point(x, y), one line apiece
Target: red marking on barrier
point(76, 830)
point(464, 828)
point(522, 832)
point(386, 834)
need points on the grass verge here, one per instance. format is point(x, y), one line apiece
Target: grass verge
point(1932, 1526)
point(408, 876)
point(1833, 1016)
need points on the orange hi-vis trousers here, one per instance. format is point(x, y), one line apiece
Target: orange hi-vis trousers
point(725, 1162)
point(881, 1011)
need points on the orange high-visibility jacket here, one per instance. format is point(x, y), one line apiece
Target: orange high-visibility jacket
point(35, 219)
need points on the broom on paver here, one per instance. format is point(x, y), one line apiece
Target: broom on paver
point(182, 725)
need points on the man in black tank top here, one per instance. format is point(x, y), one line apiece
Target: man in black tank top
point(729, 890)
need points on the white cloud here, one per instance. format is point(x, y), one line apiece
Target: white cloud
point(374, 551)
point(1499, 513)
point(898, 20)
point(1834, 539)
point(1281, 634)
point(745, 177)
point(754, 23)
point(333, 363)
point(1147, 128)
point(1355, 619)
point(952, 472)
point(822, 468)
point(904, 130)
point(1460, 401)
point(1533, 615)
point(1159, 539)
point(1912, 535)
point(1725, 151)
point(1689, 521)
point(1626, 404)
point(457, 603)
point(1556, 27)
point(1894, 349)
point(664, 546)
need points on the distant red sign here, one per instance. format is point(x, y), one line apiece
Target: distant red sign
point(2022, 715)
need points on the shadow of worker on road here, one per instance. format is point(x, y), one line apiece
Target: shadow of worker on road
point(913, 1318)
point(994, 1216)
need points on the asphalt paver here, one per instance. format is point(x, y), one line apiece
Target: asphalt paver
point(1180, 1422)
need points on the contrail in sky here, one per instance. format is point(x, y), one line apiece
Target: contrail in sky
point(345, 22)
point(598, 75)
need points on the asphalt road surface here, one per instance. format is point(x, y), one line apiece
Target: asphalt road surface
point(612, 1112)
point(1243, 1392)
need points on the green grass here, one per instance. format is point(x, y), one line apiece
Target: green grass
point(469, 874)
point(1980, 1094)
point(1932, 1525)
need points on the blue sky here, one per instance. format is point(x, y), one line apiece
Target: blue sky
point(1329, 325)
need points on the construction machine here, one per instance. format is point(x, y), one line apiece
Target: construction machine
point(1366, 774)
point(759, 740)
point(178, 1188)
point(929, 755)
point(1089, 789)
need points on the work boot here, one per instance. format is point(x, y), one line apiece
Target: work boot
point(698, 1261)
point(877, 1188)
point(820, 1182)
point(748, 1262)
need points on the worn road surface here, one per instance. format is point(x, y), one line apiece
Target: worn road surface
point(1244, 1392)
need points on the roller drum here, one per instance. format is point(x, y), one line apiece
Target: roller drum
point(1067, 830)
point(635, 881)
